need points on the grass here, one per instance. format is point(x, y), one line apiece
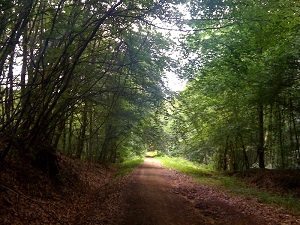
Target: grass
point(152, 154)
point(235, 186)
point(206, 175)
point(190, 168)
point(128, 166)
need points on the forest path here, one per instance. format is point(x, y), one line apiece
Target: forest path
point(161, 196)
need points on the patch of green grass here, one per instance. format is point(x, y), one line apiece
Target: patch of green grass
point(152, 153)
point(288, 201)
point(128, 166)
point(206, 175)
point(190, 168)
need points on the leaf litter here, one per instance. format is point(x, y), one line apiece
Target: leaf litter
point(89, 193)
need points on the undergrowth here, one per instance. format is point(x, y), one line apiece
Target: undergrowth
point(206, 175)
point(128, 166)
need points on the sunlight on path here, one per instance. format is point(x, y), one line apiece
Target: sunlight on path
point(154, 161)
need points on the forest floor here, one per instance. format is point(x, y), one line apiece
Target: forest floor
point(158, 195)
point(87, 193)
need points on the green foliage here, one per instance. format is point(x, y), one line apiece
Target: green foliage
point(239, 105)
point(152, 154)
point(237, 187)
point(188, 167)
point(128, 166)
point(206, 175)
point(91, 79)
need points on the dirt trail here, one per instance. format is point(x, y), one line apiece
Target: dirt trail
point(159, 196)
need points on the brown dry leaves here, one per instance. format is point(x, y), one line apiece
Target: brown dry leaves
point(225, 208)
point(87, 193)
point(84, 194)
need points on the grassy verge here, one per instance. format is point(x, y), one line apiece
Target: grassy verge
point(190, 168)
point(128, 166)
point(205, 174)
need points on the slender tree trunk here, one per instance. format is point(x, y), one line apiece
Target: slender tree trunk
point(294, 125)
point(108, 144)
point(296, 137)
point(91, 135)
point(16, 32)
point(246, 160)
point(113, 151)
point(271, 138)
point(64, 140)
point(261, 138)
point(104, 149)
point(70, 134)
point(58, 133)
point(82, 136)
point(24, 63)
point(9, 89)
point(280, 125)
point(225, 156)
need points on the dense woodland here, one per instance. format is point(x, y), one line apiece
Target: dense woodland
point(85, 78)
point(81, 77)
point(241, 108)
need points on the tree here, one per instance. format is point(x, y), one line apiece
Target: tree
point(236, 77)
point(78, 59)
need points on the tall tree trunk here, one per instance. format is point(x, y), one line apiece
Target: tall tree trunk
point(108, 144)
point(246, 160)
point(16, 32)
point(91, 135)
point(64, 139)
point(82, 136)
point(261, 138)
point(9, 89)
point(271, 134)
point(59, 131)
point(24, 63)
point(70, 134)
point(293, 121)
point(296, 138)
point(224, 160)
point(280, 138)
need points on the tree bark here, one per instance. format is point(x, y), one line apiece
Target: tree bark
point(246, 160)
point(82, 136)
point(261, 138)
point(9, 88)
